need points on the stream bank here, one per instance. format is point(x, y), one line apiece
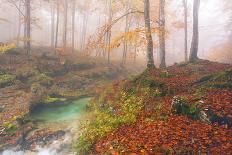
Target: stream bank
point(46, 78)
point(55, 128)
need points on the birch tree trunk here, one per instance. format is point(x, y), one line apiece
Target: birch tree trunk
point(150, 60)
point(195, 38)
point(162, 34)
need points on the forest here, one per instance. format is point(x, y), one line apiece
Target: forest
point(115, 77)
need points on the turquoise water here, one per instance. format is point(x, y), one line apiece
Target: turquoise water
point(60, 113)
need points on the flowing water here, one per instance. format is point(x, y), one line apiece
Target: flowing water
point(64, 117)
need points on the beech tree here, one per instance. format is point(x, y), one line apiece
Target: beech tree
point(150, 60)
point(27, 29)
point(73, 24)
point(195, 38)
point(57, 22)
point(52, 24)
point(65, 24)
point(162, 34)
point(185, 30)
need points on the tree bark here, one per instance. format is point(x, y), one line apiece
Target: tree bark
point(185, 30)
point(73, 25)
point(162, 34)
point(65, 24)
point(28, 26)
point(52, 25)
point(125, 44)
point(150, 60)
point(109, 32)
point(195, 38)
point(19, 24)
point(57, 22)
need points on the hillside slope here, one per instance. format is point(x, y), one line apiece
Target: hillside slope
point(185, 109)
point(44, 78)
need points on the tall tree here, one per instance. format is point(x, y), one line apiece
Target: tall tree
point(125, 44)
point(28, 25)
point(19, 22)
point(73, 24)
point(65, 24)
point(52, 24)
point(57, 22)
point(195, 38)
point(185, 30)
point(162, 34)
point(150, 60)
point(109, 32)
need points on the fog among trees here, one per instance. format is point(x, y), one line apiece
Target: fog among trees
point(110, 77)
point(76, 24)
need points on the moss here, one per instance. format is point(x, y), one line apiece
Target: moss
point(24, 73)
point(6, 80)
point(9, 126)
point(106, 120)
point(165, 74)
point(42, 79)
point(181, 106)
point(48, 100)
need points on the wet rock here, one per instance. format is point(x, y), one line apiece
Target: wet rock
point(41, 139)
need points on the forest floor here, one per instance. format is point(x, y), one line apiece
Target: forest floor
point(45, 78)
point(184, 109)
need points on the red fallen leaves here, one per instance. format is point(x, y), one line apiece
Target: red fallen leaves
point(220, 101)
point(178, 133)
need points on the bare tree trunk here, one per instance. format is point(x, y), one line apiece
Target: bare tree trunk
point(125, 45)
point(83, 31)
point(28, 26)
point(52, 25)
point(109, 32)
point(135, 46)
point(195, 38)
point(185, 30)
point(19, 24)
point(73, 25)
point(162, 34)
point(150, 60)
point(65, 24)
point(57, 22)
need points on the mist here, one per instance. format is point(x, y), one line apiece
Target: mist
point(214, 27)
point(115, 77)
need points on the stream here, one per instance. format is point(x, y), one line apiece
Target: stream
point(65, 117)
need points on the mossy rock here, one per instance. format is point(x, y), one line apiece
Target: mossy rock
point(42, 79)
point(180, 106)
point(25, 73)
point(49, 100)
point(7, 80)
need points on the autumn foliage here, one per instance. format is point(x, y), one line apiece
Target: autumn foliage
point(205, 88)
